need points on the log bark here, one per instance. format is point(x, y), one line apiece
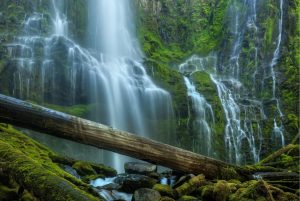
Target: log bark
point(27, 115)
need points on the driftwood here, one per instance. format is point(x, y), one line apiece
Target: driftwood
point(27, 115)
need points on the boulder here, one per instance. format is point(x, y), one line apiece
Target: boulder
point(164, 190)
point(146, 194)
point(188, 187)
point(140, 168)
point(83, 169)
point(131, 182)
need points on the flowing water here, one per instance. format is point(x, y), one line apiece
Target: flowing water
point(203, 112)
point(109, 76)
point(242, 104)
point(277, 131)
point(204, 119)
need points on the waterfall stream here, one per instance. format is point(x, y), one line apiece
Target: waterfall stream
point(110, 74)
point(204, 113)
point(243, 107)
point(277, 131)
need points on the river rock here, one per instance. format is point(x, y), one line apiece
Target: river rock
point(140, 168)
point(190, 186)
point(164, 190)
point(145, 194)
point(182, 180)
point(131, 182)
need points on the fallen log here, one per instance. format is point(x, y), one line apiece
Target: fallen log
point(27, 115)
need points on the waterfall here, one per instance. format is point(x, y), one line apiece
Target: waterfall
point(241, 96)
point(201, 124)
point(277, 131)
point(132, 98)
point(203, 111)
point(109, 75)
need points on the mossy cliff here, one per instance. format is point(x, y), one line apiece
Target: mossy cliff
point(171, 31)
point(289, 69)
point(30, 171)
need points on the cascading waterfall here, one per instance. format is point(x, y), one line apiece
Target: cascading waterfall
point(243, 104)
point(238, 131)
point(109, 76)
point(200, 108)
point(132, 98)
point(203, 112)
point(277, 131)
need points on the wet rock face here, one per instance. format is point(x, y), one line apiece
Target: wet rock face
point(145, 194)
point(131, 182)
point(140, 168)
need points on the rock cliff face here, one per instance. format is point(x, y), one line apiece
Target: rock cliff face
point(242, 36)
point(256, 37)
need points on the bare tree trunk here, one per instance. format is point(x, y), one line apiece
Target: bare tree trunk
point(27, 115)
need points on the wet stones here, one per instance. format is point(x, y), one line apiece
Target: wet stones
point(146, 194)
point(140, 168)
point(131, 182)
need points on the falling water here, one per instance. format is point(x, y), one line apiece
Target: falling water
point(243, 108)
point(203, 112)
point(277, 131)
point(108, 76)
point(200, 108)
point(131, 96)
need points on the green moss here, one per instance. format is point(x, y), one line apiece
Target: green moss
point(89, 178)
point(30, 165)
point(8, 194)
point(164, 190)
point(76, 110)
point(192, 185)
point(83, 169)
point(221, 190)
point(260, 190)
point(187, 198)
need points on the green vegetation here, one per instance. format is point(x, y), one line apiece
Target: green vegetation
point(28, 167)
point(76, 110)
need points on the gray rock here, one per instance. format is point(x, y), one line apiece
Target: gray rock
point(140, 168)
point(131, 182)
point(146, 194)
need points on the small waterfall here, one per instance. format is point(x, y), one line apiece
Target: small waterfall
point(202, 143)
point(238, 129)
point(201, 115)
point(277, 131)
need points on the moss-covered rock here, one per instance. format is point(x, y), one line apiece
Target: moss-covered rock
point(131, 182)
point(190, 186)
point(164, 190)
point(84, 169)
point(29, 165)
point(260, 190)
point(188, 198)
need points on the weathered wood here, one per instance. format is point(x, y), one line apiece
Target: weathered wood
point(27, 115)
